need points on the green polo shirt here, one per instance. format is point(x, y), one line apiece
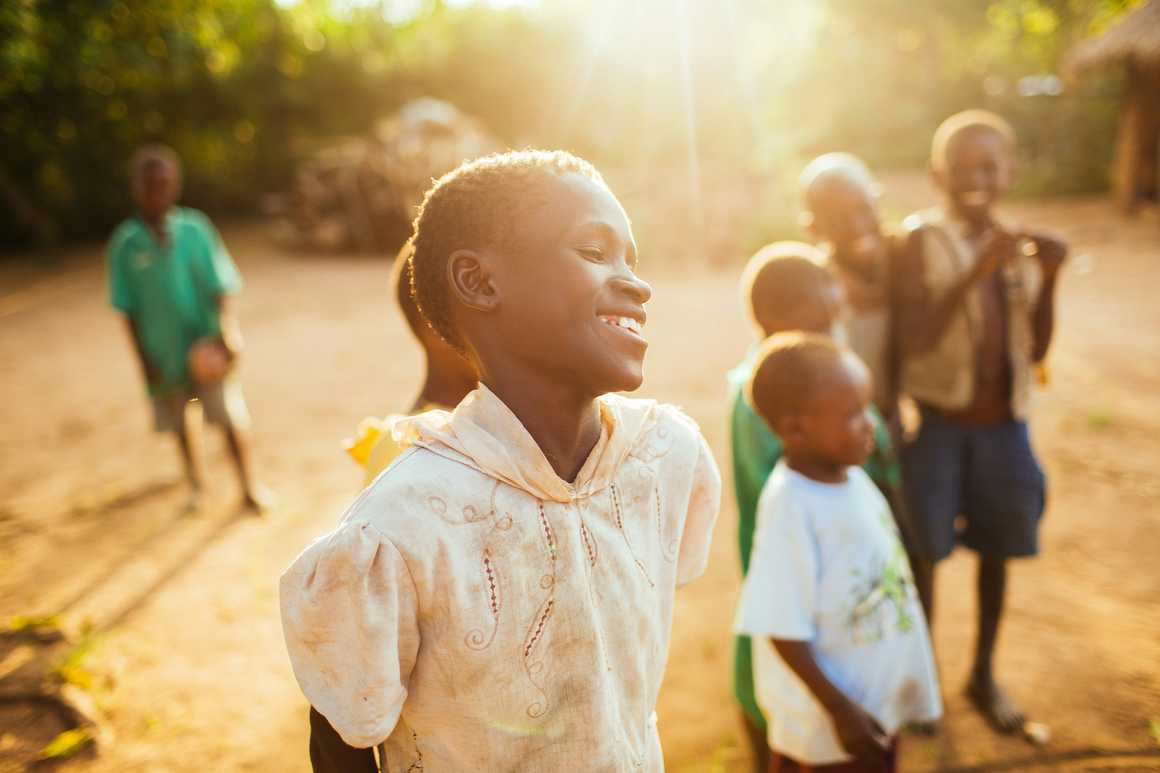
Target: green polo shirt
point(171, 291)
point(756, 450)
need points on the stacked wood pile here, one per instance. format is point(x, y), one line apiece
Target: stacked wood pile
point(362, 193)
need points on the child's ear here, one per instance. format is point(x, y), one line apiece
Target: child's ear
point(471, 280)
point(937, 176)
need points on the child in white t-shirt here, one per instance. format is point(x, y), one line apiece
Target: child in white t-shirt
point(842, 657)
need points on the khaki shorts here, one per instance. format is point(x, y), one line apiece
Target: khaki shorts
point(221, 404)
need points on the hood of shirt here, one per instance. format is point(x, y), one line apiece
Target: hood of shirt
point(484, 433)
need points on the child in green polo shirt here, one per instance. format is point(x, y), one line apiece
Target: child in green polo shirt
point(170, 274)
point(786, 287)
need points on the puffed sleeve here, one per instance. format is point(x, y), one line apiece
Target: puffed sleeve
point(350, 618)
point(704, 504)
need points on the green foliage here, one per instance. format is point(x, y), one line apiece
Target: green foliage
point(243, 89)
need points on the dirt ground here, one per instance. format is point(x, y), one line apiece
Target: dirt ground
point(183, 647)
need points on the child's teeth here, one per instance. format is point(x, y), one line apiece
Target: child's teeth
point(627, 323)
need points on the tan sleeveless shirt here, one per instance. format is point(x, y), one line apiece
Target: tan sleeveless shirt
point(944, 377)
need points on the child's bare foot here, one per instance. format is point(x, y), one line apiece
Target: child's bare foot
point(258, 499)
point(995, 704)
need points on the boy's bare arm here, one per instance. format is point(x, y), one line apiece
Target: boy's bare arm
point(150, 370)
point(1050, 251)
point(231, 332)
point(921, 321)
point(860, 733)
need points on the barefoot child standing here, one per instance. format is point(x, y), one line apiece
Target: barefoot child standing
point(842, 659)
point(500, 598)
point(975, 305)
point(171, 276)
point(786, 288)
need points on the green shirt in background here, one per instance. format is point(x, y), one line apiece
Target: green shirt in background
point(756, 450)
point(171, 292)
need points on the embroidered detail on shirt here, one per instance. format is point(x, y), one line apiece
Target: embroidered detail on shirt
point(534, 667)
point(589, 544)
point(668, 544)
point(618, 519)
point(476, 638)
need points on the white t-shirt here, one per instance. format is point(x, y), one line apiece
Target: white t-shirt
point(828, 568)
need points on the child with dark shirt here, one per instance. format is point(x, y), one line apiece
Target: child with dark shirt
point(975, 310)
point(842, 659)
point(500, 598)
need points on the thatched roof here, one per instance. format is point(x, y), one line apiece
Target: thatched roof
point(1134, 39)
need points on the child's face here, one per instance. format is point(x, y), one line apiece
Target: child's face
point(846, 215)
point(835, 427)
point(571, 305)
point(978, 171)
point(155, 190)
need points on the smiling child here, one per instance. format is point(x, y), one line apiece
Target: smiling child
point(975, 309)
point(501, 597)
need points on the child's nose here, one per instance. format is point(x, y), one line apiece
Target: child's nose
point(640, 290)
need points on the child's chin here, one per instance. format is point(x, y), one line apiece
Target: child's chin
point(626, 381)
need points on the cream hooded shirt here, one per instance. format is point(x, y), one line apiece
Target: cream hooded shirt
point(473, 611)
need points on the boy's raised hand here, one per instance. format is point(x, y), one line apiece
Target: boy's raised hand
point(861, 736)
point(1049, 250)
point(998, 248)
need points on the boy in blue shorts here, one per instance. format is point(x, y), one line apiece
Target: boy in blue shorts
point(785, 287)
point(975, 307)
point(171, 276)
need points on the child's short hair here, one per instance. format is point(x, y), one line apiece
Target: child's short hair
point(965, 121)
point(837, 166)
point(791, 366)
point(781, 275)
point(404, 294)
point(150, 156)
point(473, 206)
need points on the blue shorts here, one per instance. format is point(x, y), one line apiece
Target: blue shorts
point(986, 473)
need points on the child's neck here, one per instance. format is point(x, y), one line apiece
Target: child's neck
point(564, 424)
point(821, 470)
point(861, 268)
point(156, 225)
point(440, 388)
point(977, 223)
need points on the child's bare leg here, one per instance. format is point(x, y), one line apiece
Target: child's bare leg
point(923, 571)
point(189, 443)
point(758, 744)
point(256, 496)
point(995, 704)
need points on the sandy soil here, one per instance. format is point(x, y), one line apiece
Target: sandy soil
point(184, 645)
